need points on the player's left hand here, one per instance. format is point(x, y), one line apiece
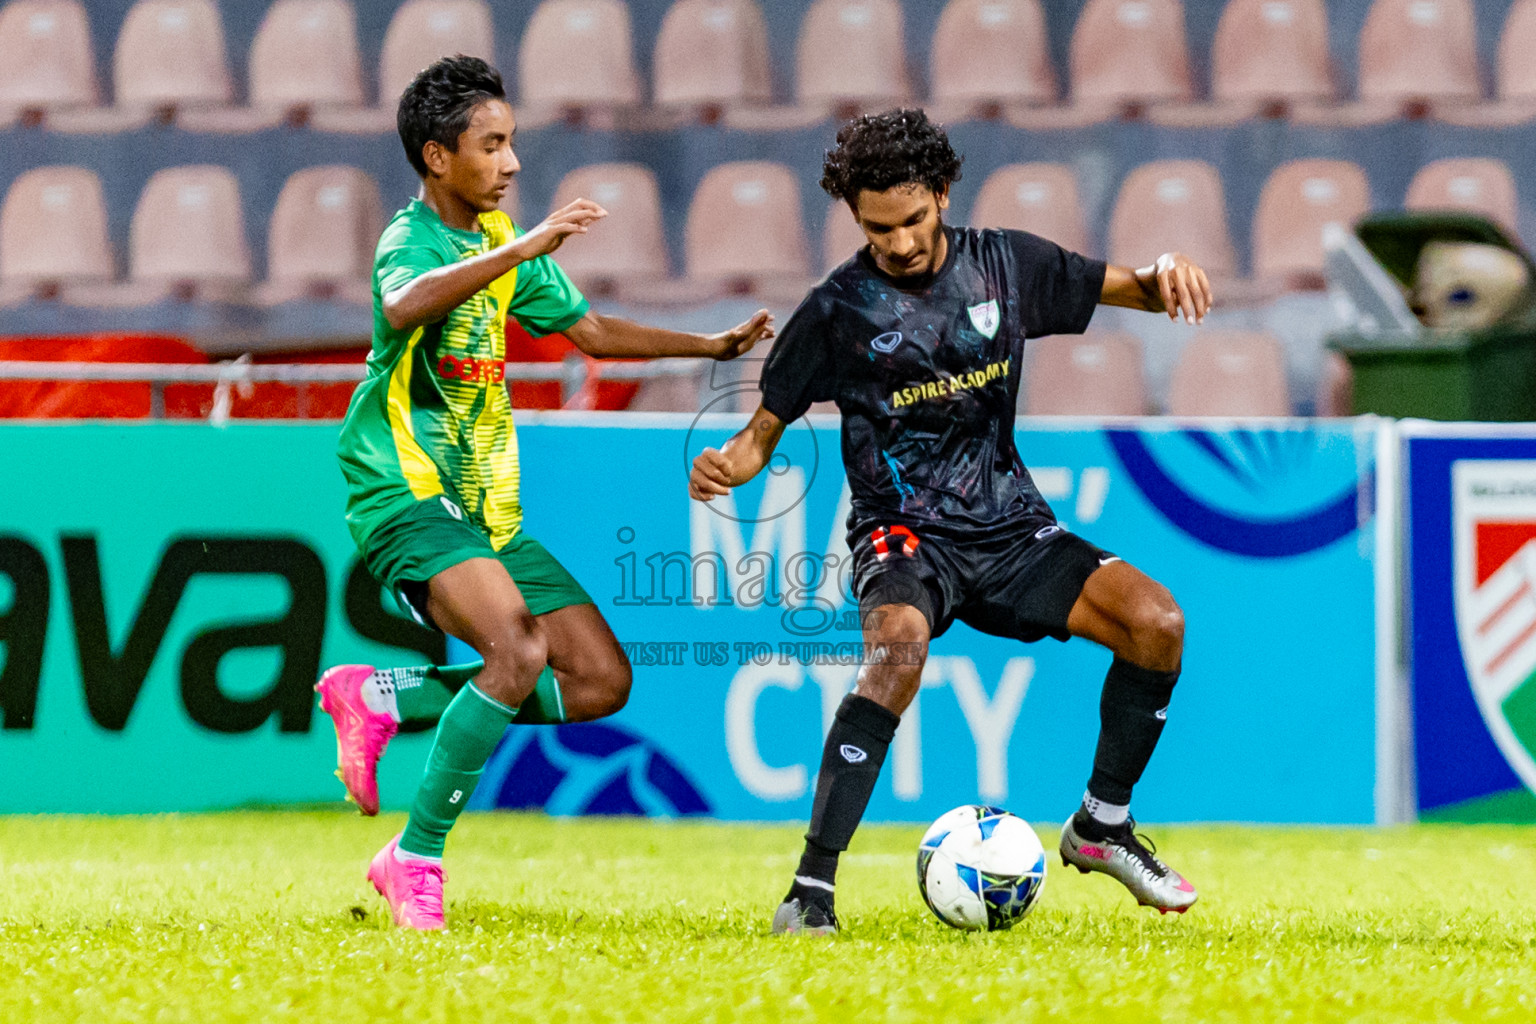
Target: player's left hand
point(740, 339)
point(1183, 287)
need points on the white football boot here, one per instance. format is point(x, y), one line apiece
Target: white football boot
point(1125, 857)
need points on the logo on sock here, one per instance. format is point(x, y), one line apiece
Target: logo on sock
point(852, 754)
point(1161, 714)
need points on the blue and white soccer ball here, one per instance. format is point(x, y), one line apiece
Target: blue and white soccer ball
point(980, 868)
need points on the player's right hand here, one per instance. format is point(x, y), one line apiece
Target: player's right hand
point(571, 219)
point(711, 475)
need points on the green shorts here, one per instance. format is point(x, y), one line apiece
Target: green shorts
point(409, 549)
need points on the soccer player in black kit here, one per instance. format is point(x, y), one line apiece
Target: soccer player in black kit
point(919, 338)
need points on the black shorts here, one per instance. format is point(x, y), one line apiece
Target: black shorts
point(1019, 584)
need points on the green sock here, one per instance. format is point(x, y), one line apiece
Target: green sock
point(466, 736)
point(544, 705)
point(423, 693)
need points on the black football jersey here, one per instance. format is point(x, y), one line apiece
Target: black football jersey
point(926, 375)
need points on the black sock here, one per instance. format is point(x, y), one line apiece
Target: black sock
point(1132, 712)
point(850, 764)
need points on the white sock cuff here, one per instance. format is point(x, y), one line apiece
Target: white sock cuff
point(1105, 814)
point(406, 857)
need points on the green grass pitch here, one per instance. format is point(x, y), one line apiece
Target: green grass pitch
point(265, 916)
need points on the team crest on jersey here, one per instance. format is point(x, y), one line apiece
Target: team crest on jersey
point(1494, 513)
point(886, 343)
point(985, 317)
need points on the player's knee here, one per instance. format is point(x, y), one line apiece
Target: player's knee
point(513, 662)
point(1157, 634)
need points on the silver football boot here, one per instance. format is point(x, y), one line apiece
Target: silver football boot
point(1123, 856)
point(797, 917)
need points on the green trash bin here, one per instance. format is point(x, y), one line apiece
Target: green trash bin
point(1484, 374)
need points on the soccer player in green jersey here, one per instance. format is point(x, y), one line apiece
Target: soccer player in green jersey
point(429, 453)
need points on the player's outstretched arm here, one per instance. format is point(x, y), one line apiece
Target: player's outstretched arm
point(717, 470)
point(613, 337)
point(432, 296)
point(1175, 285)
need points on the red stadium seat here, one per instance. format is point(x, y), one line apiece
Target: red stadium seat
point(841, 236)
point(188, 233)
point(991, 53)
point(321, 240)
point(305, 56)
point(424, 30)
point(745, 228)
point(1418, 53)
point(1299, 198)
point(1172, 205)
point(1040, 198)
point(1127, 54)
point(1230, 373)
point(170, 56)
point(713, 54)
point(53, 231)
point(851, 56)
point(1272, 53)
point(420, 32)
point(46, 58)
point(627, 250)
point(577, 54)
point(1517, 54)
point(1474, 185)
point(1096, 374)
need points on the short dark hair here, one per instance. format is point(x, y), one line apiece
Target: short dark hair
point(881, 151)
point(437, 105)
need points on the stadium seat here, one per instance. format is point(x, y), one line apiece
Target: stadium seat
point(712, 55)
point(1172, 205)
point(1419, 54)
point(53, 232)
point(46, 58)
point(851, 56)
point(1230, 373)
point(1127, 54)
point(627, 250)
point(170, 57)
point(1517, 54)
point(305, 56)
point(419, 33)
point(841, 236)
point(745, 230)
point(988, 54)
point(1475, 185)
point(1040, 198)
point(321, 239)
point(1335, 387)
point(575, 55)
point(188, 234)
point(1299, 198)
point(1272, 54)
point(1096, 374)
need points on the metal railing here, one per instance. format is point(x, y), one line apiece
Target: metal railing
point(574, 375)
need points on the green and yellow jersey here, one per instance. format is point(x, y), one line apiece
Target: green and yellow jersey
point(432, 417)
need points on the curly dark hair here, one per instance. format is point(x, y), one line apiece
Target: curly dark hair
point(881, 151)
point(437, 105)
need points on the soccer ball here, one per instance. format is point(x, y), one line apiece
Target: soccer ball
point(980, 868)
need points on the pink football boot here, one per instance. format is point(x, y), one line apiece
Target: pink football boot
point(361, 735)
point(414, 888)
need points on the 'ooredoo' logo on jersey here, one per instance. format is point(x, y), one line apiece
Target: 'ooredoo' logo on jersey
point(480, 371)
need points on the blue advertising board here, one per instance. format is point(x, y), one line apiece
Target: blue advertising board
point(161, 629)
point(1471, 557)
